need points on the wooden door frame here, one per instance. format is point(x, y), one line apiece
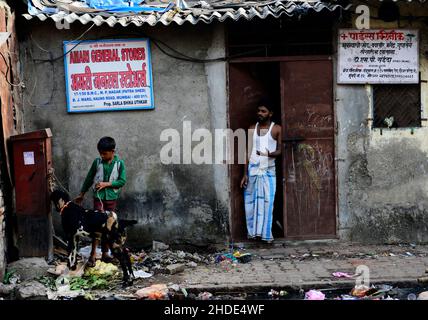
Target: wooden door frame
point(283, 165)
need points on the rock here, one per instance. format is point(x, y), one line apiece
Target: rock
point(159, 246)
point(181, 254)
point(175, 268)
point(196, 257)
point(6, 289)
point(29, 268)
point(423, 295)
point(192, 264)
point(31, 290)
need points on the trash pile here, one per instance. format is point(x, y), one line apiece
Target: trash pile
point(229, 260)
point(358, 292)
point(170, 292)
point(70, 284)
point(162, 260)
point(275, 294)
point(363, 292)
point(56, 281)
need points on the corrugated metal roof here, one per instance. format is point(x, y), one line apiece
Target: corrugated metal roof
point(192, 12)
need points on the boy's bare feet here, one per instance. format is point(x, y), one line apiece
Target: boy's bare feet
point(106, 257)
point(91, 261)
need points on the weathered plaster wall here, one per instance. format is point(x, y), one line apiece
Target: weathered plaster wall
point(11, 123)
point(383, 178)
point(172, 203)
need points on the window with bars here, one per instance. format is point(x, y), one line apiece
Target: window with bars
point(396, 105)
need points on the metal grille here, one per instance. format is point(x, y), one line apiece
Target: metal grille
point(397, 105)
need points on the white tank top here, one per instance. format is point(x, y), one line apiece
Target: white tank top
point(261, 143)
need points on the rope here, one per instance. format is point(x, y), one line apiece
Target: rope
point(53, 178)
point(98, 196)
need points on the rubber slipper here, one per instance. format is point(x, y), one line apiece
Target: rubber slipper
point(107, 259)
point(91, 263)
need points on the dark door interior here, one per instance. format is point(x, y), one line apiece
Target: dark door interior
point(248, 82)
point(302, 90)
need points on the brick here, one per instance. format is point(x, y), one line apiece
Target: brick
point(175, 268)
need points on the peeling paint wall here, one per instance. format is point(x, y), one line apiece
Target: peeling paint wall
point(383, 177)
point(172, 203)
point(11, 123)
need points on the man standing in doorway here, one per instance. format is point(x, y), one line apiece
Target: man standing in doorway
point(259, 180)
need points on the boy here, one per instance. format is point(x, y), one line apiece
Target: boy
point(107, 176)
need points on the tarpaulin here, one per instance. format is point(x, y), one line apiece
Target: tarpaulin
point(122, 6)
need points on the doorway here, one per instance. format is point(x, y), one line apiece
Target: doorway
point(302, 91)
point(248, 83)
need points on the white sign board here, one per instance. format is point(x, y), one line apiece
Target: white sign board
point(28, 158)
point(378, 56)
point(108, 75)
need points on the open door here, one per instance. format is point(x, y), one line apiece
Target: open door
point(248, 82)
point(308, 140)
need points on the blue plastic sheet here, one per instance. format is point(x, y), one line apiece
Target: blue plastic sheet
point(108, 5)
point(33, 10)
point(122, 6)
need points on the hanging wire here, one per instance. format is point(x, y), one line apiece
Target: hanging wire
point(161, 45)
point(7, 74)
point(71, 49)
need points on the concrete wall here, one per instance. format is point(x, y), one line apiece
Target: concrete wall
point(172, 203)
point(383, 178)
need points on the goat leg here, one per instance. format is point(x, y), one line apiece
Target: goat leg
point(127, 258)
point(119, 255)
point(72, 249)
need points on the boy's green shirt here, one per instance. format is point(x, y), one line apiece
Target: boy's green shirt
point(106, 193)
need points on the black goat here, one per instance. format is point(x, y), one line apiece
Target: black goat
point(77, 221)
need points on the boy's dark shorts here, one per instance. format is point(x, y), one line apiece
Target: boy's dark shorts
point(105, 205)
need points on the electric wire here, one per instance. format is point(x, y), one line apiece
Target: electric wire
point(20, 84)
